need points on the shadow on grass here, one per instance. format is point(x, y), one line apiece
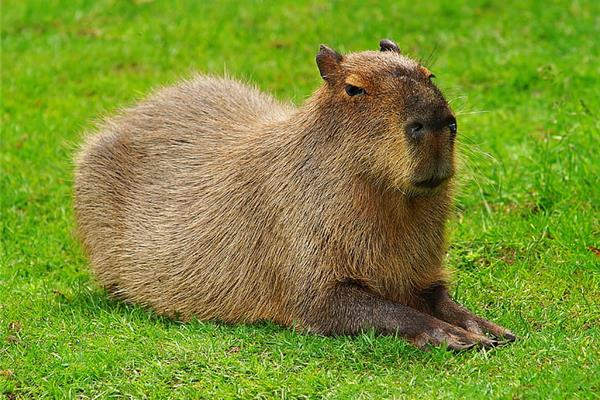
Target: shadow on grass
point(264, 337)
point(94, 302)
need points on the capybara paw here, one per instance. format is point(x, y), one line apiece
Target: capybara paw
point(481, 326)
point(453, 337)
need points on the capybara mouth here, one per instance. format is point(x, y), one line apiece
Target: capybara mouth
point(431, 183)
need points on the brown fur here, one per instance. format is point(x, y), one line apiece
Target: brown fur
point(213, 200)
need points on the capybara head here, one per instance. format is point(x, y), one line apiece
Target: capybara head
point(396, 120)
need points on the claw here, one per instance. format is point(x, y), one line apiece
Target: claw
point(503, 336)
point(493, 343)
point(499, 333)
point(471, 335)
point(460, 346)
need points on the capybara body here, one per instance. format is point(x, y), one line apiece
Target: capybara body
point(213, 200)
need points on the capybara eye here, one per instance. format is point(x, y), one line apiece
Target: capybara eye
point(354, 90)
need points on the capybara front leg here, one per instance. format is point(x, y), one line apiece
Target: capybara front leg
point(349, 309)
point(439, 304)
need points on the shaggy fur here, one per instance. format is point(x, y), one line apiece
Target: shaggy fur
point(213, 200)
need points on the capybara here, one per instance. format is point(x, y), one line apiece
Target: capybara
point(212, 200)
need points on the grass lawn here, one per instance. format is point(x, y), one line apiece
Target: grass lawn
point(524, 80)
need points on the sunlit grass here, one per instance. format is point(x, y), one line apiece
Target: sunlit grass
point(524, 81)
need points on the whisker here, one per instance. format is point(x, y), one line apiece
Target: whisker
point(430, 60)
point(472, 112)
point(453, 99)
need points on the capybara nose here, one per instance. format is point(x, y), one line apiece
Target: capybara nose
point(418, 129)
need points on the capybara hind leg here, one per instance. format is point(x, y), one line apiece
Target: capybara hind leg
point(350, 309)
point(439, 304)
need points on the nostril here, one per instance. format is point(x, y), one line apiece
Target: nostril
point(453, 127)
point(415, 129)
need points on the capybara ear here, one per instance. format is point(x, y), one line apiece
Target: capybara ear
point(328, 61)
point(388, 45)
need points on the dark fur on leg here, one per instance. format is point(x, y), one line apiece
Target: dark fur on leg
point(438, 303)
point(350, 309)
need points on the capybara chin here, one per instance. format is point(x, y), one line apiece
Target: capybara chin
point(213, 200)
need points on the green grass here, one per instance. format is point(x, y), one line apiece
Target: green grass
point(524, 79)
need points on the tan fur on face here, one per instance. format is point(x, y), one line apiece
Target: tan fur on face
point(427, 73)
point(355, 80)
point(213, 200)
